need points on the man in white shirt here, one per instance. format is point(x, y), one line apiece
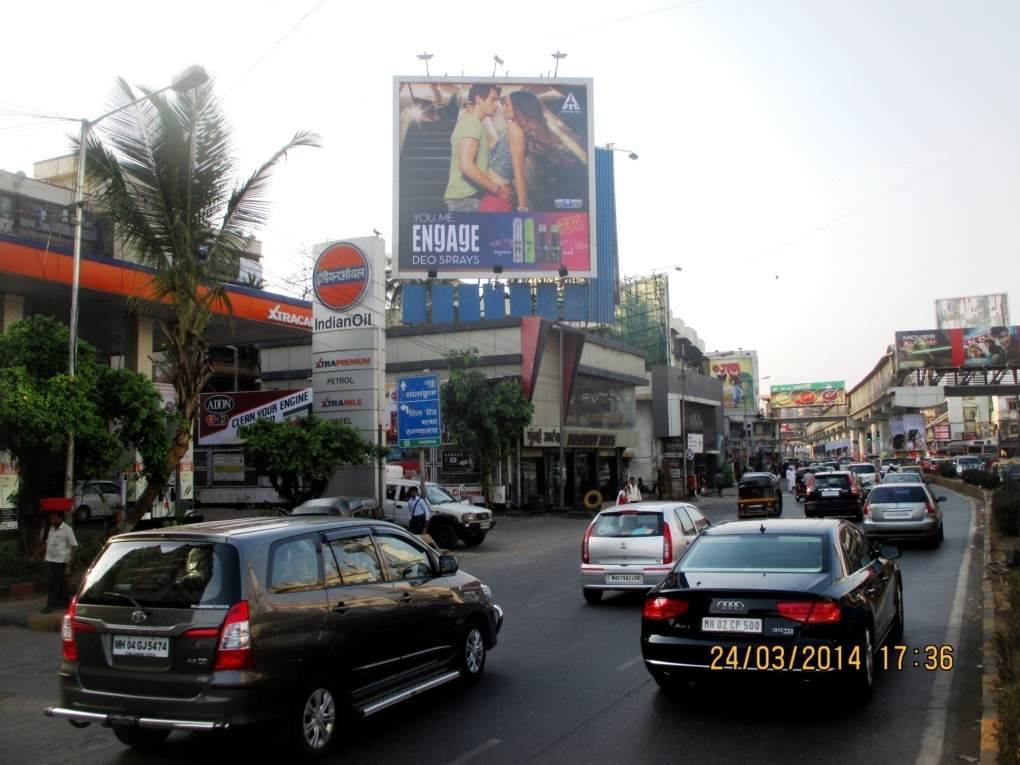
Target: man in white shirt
point(633, 492)
point(791, 479)
point(61, 550)
point(419, 511)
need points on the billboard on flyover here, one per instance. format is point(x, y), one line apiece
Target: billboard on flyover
point(812, 395)
point(736, 373)
point(493, 175)
point(974, 347)
point(973, 311)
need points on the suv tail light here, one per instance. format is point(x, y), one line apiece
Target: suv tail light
point(68, 627)
point(660, 609)
point(234, 648)
point(929, 508)
point(584, 545)
point(866, 510)
point(667, 542)
point(854, 488)
point(810, 611)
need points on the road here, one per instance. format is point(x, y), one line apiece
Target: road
point(566, 683)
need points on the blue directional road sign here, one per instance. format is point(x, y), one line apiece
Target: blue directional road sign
point(419, 421)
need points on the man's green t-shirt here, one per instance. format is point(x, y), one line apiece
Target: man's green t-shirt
point(468, 126)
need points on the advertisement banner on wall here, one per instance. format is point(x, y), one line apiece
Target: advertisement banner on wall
point(799, 395)
point(896, 434)
point(736, 373)
point(974, 311)
point(696, 443)
point(493, 173)
point(222, 415)
point(791, 431)
point(971, 348)
point(915, 435)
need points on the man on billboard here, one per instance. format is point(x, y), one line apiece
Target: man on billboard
point(469, 160)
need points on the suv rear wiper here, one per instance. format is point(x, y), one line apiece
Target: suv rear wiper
point(134, 602)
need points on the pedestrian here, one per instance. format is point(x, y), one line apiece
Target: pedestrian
point(418, 510)
point(61, 551)
point(719, 481)
point(791, 478)
point(692, 485)
point(621, 497)
point(641, 486)
point(633, 492)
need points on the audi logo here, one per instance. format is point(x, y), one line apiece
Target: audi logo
point(730, 605)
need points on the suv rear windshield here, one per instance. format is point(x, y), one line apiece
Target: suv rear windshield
point(628, 524)
point(163, 574)
point(760, 552)
point(887, 494)
point(861, 468)
point(831, 481)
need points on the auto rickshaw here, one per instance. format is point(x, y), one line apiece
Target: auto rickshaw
point(759, 495)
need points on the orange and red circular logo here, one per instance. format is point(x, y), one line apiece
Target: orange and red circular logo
point(340, 276)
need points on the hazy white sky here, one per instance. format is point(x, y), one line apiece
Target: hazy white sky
point(863, 152)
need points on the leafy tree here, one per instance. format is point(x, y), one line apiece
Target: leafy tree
point(484, 416)
point(109, 410)
point(301, 455)
point(165, 174)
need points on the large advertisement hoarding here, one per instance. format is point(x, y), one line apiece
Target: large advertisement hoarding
point(973, 311)
point(493, 175)
point(222, 415)
point(736, 373)
point(975, 347)
point(915, 436)
point(813, 394)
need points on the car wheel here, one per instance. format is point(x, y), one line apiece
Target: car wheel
point(473, 540)
point(444, 534)
point(82, 515)
point(592, 596)
point(143, 739)
point(896, 633)
point(861, 682)
point(472, 653)
point(314, 720)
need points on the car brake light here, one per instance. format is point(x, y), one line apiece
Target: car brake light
point(68, 627)
point(234, 648)
point(810, 611)
point(929, 508)
point(866, 510)
point(667, 544)
point(584, 545)
point(660, 609)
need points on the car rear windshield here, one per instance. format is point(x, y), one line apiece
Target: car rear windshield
point(888, 494)
point(862, 468)
point(768, 553)
point(902, 478)
point(628, 524)
point(161, 574)
point(831, 481)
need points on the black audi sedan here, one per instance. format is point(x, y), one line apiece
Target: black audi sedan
point(229, 624)
point(812, 597)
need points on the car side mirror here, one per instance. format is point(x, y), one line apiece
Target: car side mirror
point(448, 565)
point(890, 552)
point(940, 499)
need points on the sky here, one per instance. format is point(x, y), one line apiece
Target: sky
point(822, 171)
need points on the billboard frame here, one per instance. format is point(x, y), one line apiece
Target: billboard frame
point(1004, 304)
point(589, 84)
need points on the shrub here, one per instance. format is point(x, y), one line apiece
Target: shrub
point(1006, 509)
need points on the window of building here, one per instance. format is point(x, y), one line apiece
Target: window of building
point(600, 403)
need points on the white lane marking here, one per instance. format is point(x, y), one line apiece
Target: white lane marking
point(930, 752)
point(628, 664)
point(481, 749)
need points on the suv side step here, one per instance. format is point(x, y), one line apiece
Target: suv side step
point(380, 703)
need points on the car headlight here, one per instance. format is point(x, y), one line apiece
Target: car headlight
point(468, 517)
point(487, 593)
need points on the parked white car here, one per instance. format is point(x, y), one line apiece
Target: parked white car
point(96, 499)
point(451, 520)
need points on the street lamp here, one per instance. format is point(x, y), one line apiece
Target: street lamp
point(612, 147)
point(187, 80)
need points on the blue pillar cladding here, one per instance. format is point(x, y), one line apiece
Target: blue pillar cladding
point(546, 302)
point(413, 304)
point(442, 304)
point(495, 301)
point(469, 304)
point(520, 300)
point(575, 302)
point(603, 288)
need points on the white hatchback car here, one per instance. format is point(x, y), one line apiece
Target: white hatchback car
point(633, 547)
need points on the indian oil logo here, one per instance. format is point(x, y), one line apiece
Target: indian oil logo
point(340, 276)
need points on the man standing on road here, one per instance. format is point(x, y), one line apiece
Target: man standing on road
point(61, 550)
point(419, 511)
point(469, 159)
point(791, 478)
point(633, 492)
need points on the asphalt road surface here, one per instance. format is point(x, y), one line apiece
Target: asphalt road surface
point(566, 683)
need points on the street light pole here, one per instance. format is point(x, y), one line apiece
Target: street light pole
point(190, 78)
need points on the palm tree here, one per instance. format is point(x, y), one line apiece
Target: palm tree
point(165, 176)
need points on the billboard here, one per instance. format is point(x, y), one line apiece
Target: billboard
point(975, 347)
point(221, 415)
point(813, 394)
point(973, 311)
point(915, 436)
point(493, 175)
point(736, 373)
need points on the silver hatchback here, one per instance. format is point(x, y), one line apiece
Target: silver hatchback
point(633, 547)
point(903, 511)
